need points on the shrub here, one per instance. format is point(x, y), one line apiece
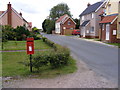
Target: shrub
point(54, 59)
point(40, 60)
point(44, 38)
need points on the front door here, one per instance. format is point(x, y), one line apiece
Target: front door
point(107, 31)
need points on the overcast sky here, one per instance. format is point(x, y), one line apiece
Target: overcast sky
point(36, 11)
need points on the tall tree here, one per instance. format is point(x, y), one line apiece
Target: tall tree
point(59, 10)
point(77, 23)
point(49, 24)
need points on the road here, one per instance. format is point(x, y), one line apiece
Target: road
point(100, 58)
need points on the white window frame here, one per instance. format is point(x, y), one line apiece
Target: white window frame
point(92, 15)
point(103, 26)
point(83, 17)
point(69, 22)
point(92, 30)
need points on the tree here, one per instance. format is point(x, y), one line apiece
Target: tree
point(77, 23)
point(49, 24)
point(35, 30)
point(59, 10)
point(7, 33)
point(21, 32)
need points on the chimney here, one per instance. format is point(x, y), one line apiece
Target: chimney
point(9, 15)
point(88, 4)
point(20, 14)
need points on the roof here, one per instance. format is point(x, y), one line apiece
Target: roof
point(85, 23)
point(1, 12)
point(91, 8)
point(4, 12)
point(109, 19)
point(62, 17)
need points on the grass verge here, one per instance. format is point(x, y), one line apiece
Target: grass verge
point(12, 66)
point(21, 45)
point(115, 44)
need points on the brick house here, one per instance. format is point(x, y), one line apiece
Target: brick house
point(89, 20)
point(64, 25)
point(110, 23)
point(13, 18)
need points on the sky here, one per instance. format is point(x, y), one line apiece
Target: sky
point(36, 11)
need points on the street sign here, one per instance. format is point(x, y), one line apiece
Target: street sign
point(30, 45)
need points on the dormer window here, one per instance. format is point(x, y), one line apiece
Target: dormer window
point(83, 17)
point(109, 9)
point(92, 15)
point(69, 22)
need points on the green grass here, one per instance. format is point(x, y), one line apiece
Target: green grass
point(115, 44)
point(21, 45)
point(13, 67)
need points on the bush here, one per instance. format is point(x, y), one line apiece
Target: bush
point(39, 61)
point(44, 38)
point(56, 59)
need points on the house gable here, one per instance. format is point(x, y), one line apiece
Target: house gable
point(91, 8)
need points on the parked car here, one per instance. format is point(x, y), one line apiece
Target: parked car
point(76, 32)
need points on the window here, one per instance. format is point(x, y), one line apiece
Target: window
point(103, 27)
point(83, 17)
point(71, 28)
point(109, 9)
point(64, 27)
point(92, 30)
point(87, 31)
point(92, 15)
point(69, 22)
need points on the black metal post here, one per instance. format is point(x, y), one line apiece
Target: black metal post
point(30, 62)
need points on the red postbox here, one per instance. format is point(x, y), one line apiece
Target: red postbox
point(30, 45)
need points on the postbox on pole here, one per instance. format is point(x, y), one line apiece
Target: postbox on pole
point(30, 49)
point(30, 45)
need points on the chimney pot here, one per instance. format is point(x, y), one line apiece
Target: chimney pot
point(20, 14)
point(88, 4)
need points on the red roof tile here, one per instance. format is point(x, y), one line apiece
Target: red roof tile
point(108, 19)
point(61, 18)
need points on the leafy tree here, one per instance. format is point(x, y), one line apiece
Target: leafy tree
point(59, 10)
point(44, 25)
point(49, 24)
point(35, 30)
point(7, 33)
point(77, 23)
point(21, 32)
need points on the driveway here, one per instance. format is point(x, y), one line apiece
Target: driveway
point(100, 58)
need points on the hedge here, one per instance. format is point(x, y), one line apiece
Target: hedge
point(58, 58)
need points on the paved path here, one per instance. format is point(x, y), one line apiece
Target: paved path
point(101, 58)
point(25, 50)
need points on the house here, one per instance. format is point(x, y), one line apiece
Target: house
point(64, 25)
point(89, 20)
point(110, 25)
point(13, 18)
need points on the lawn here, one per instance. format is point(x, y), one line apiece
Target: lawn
point(21, 45)
point(12, 62)
point(12, 66)
point(115, 44)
